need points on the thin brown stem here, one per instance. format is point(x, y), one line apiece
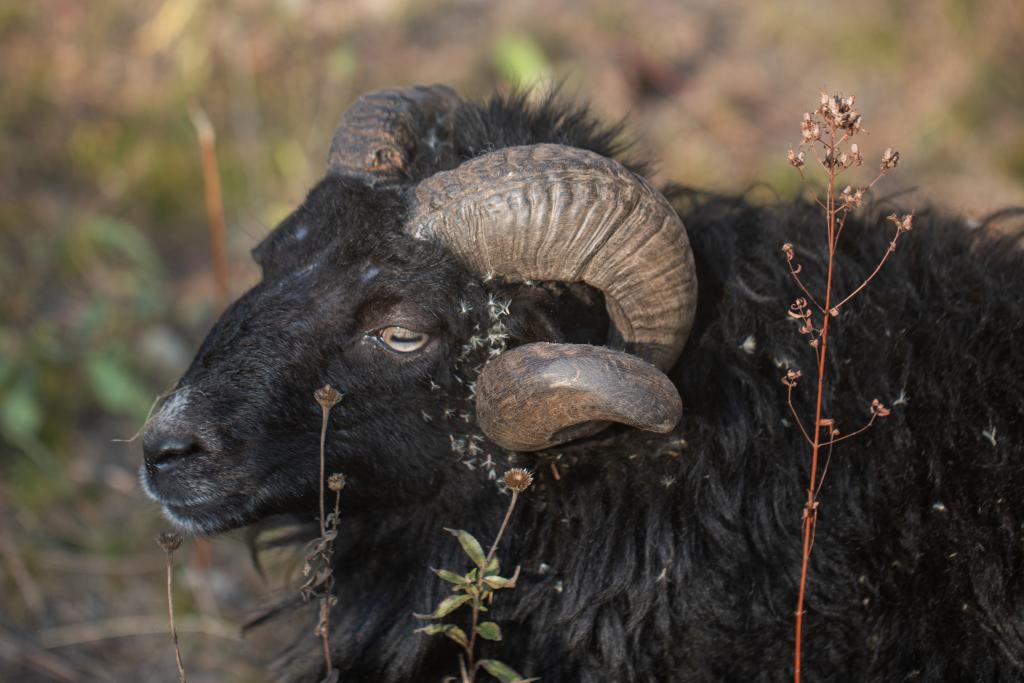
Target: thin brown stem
point(326, 411)
point(824, 471)
point(470, 648)
point(842, 224)
point(796, 277)
point(814, 527)
point(796, 416)
point(214, 201)
point(811, 507)
point(327, 397)
point(170, 615)
point(869, 278)
point(325, 601)
point(325, 631)
point(852, 434)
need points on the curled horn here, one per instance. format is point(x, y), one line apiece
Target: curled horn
point(539, 395)
point(551, 212)
point(381, 134)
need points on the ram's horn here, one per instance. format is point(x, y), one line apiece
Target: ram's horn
point(550, 212)
point(381, 134)
point(539, 395)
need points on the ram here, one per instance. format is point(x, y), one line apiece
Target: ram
point(487, 287)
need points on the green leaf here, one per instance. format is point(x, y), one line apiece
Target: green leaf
point(447, 606)
point(451, 577)
point(493, 567)
point(488, 630)
point(458, 635)
point(116, 387)
point(21, 413)
point(496, 582)
point(115, 241)
point(470, 545)
point(503, 672)
point(450, 630)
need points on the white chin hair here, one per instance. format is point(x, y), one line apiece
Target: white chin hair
point(146, 488)
point(186, 524)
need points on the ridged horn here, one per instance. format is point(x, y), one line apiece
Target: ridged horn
point(380, 135)
point(540, 395)
point(557, 213)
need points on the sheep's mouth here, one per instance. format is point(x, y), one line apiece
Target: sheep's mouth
point(207, 519)
point(197, 512)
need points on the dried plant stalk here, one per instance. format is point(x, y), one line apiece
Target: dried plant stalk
point(170, 541)
point(322, 582)
point(214, 201)
point(825, 131)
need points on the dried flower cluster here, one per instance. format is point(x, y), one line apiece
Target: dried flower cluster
point(826, 129)
point(327, 396)
point(825, 134)
point(518, 479)
point(169, 541)
point(336, 482)
point(319, 568)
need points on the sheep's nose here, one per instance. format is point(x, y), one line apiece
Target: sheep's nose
point(164, 450)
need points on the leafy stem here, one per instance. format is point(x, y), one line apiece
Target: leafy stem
point(476, 588)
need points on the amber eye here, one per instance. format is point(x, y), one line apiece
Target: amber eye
point(403, 340)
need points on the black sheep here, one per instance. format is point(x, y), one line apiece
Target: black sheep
point(652, 556)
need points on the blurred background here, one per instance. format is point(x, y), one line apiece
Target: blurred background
point(106, 278)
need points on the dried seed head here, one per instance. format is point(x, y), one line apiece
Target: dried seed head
point(796, 159)
point(852, 198)
point(169, 541)
point(855, 155)
point(831, 159)
point(904, 223)
point(878, 408)
point(787, 249)
point(336, 482)
point(791, 378)
point(327, 396)
point(889, 159)
point(810, 130)
point(518, 479)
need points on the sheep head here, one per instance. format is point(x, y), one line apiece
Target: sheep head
point(367, 286)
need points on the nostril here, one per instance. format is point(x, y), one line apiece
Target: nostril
point(162, 451)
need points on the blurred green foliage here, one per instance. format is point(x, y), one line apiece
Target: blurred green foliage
point(521, 61)
point(105, 280)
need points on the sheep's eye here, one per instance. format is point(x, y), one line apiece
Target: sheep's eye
point(403, 340)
